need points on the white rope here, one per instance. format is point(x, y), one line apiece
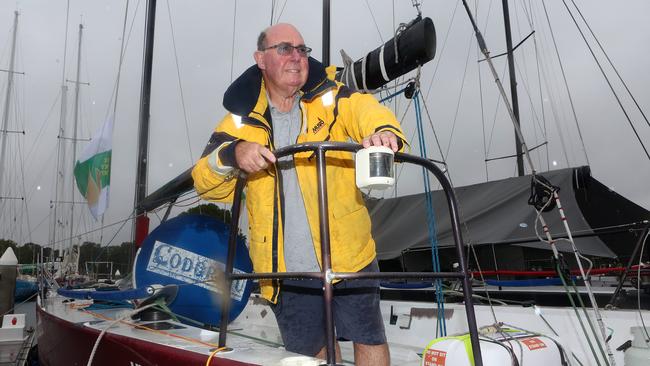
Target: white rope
point(382, 66)
point(363, 72)
point(354, 77)
point(101, 335)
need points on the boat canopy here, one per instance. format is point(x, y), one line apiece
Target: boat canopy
point(497, 212)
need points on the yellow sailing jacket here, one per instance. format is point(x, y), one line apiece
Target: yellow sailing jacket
point(330, 112)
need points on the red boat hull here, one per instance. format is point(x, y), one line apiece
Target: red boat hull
point(62, 343)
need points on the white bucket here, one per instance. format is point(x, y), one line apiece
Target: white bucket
point(300, 361)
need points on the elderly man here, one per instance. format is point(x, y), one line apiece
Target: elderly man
point(286, 98)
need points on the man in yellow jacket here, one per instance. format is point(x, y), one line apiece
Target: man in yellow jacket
point(286, 98)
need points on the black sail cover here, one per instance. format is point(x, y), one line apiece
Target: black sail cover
point(497, 213)
point(413, 46)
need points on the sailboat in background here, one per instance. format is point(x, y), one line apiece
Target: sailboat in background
point(14, 216)
point(108, 335)
point(14, 219)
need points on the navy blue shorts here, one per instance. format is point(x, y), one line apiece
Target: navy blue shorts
point(300, 315)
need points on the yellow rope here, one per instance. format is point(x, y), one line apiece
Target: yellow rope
point(207, 363)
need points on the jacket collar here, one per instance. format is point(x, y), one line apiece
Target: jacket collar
point(247, 95)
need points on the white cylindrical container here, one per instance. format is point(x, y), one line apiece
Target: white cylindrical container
point(497, 349)
point(639, 353)
point(374, 167)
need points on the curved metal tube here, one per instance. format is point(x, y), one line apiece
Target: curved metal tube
point(326, 274)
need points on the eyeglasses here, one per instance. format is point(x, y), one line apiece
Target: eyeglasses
point(286, 48)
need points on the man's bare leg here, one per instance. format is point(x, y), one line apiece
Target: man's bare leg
point(371, 355)
point(322, 354)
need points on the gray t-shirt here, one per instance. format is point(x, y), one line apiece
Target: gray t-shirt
point(299, 253)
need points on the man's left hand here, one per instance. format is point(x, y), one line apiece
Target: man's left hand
point(381, 138)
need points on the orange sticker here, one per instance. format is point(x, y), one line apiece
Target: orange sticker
point(533, 343)
point(434, 357)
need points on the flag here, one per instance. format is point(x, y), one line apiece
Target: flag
point(92, 170)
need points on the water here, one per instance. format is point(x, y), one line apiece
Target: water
point(29, 309)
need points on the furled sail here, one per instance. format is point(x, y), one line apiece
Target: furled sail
point(413, 45)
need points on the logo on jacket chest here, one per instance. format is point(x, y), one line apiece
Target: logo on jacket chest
point(318, 126)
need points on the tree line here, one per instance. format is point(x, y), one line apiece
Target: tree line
point(119, 255)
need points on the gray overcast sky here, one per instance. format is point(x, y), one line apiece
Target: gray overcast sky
point(208, 57)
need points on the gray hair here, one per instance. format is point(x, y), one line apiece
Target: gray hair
point(261, 40)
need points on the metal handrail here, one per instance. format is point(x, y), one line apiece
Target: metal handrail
point(326, 274)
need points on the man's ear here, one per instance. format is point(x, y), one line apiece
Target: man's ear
point(259, 59)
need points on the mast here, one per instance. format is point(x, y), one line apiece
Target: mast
point(141, 223)
point(74, 145)
point(326, 32)
point(61, 148)
point(5, 114)
point(513, 86)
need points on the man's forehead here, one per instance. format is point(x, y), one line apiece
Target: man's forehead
point(284, 33)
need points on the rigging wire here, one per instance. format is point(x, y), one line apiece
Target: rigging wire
point(539, 181)
point(117, 89)
point(480, 89)
point(272, 10)
point(460, 93)
point(638, 290)
point(524, 75)
point(375, 21)
point(281, 11)
point(533, 112)
point(103, 247)
point(442, 51)
point(611, 87)
point(611, 63)
point(431, 219)
point(435, 136)
point(482, 108)
point(554, 111)
point(180, 84)
point(560, 273)
point(539, 85)
point(14, 193)
point(65, 42)
point(496, 113)
point(59, 177)
point(125, 45)
point(566, 84)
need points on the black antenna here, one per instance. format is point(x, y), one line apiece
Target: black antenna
point(145, 99)
point(326, 32)
point(513, 86)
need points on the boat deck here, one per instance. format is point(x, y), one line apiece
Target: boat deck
point(253, 339)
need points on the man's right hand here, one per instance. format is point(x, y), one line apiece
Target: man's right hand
point(252, 157)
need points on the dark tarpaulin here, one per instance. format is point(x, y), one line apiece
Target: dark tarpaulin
point(496, 212)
